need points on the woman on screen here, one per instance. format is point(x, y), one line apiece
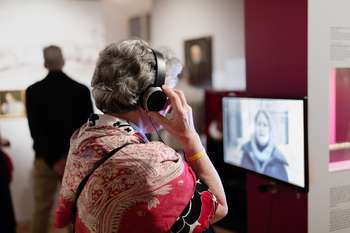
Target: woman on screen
point(260, 153)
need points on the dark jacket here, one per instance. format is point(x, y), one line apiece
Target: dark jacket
point(275, 166)
point(56, 107)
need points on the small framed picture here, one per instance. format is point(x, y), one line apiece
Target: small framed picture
point(12, 103)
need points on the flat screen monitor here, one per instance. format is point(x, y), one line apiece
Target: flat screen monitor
point(267, 136)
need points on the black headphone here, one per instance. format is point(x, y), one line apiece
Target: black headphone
point(153, 98)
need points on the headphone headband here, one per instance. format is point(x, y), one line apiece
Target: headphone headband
point(160, 69)
point(153, 98)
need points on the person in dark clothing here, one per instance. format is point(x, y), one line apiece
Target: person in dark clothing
point(7, 216)
point(56, 107)
point(260, 153)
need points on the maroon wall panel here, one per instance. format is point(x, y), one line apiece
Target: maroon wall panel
point(276, 47)
point(276, 57)
point(282, 209)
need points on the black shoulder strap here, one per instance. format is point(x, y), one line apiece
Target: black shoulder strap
point(86, 178)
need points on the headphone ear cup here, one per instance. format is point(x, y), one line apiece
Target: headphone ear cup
point(154, 99)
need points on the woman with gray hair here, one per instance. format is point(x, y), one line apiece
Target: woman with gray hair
point(115, 179)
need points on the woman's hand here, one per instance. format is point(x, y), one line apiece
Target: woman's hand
point(180, 124)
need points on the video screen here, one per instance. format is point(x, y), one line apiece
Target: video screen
point(266, 136)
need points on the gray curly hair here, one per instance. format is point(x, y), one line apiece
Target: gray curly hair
point(123, 72)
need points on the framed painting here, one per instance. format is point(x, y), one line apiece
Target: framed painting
point(198, 61)
point(12, 103)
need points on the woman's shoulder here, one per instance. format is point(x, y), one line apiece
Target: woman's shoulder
point(247, 146)
point(279, 156)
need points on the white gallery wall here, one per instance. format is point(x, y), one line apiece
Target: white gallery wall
point(173, 22)
point(117, 15)
point(28, 26)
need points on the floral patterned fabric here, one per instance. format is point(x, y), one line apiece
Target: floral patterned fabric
point(142, 188)
point(195, 218)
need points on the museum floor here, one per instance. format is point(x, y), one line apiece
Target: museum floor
point(24, 228)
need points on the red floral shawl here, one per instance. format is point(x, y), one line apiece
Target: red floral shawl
point(142, 188)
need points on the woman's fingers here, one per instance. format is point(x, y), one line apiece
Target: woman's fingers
point(173, 96)
point(182, 97)
point(159, 118)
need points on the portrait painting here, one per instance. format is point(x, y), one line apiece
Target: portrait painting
point(12, 103)
point(198, 61)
